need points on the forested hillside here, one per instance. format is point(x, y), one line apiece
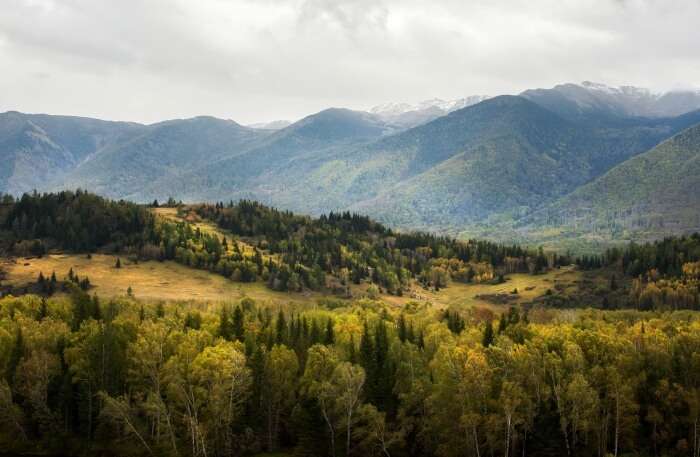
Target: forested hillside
point(648, 196)
point(289, 252)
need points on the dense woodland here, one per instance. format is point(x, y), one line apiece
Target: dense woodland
point(663, 275)
point(129, 378)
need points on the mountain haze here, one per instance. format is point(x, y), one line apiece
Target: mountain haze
point(494, 164)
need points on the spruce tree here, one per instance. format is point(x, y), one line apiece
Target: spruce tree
point(402, 330)
point(238, 324)
point(329, 337)
point(281, 329)
point(487, 339)
point(225, 330)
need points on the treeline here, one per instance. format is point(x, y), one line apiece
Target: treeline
point(665, 274)
point(79, 375)
point(76, 221)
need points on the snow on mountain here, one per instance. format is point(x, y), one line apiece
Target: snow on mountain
point(409, 115)
point(624, 101)
point(273, 125)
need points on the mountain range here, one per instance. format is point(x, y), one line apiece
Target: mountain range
point(567, 160)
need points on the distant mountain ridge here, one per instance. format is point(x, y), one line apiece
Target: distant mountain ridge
point(272, 125)
point(494, 165)
point(579, 100)
point(409, 115)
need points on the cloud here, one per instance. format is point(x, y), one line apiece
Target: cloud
point(254, 60)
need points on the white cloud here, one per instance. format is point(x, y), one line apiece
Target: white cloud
point(148, 60)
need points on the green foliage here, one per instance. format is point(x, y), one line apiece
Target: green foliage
point(77, 221)
point(133, 380)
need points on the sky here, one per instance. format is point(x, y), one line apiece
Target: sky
point(261, 60)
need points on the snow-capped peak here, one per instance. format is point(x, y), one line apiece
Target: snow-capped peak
point(446, 106)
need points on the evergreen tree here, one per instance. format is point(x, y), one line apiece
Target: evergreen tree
point(401, 329)
point(225, 325)
point(43, 310)
point(238, 324)
point(16, 355)
point(487, 339)
point(281, 328)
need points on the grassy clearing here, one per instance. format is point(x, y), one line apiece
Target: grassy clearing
point(460, 295)
point(149, 280)
point(171, 281)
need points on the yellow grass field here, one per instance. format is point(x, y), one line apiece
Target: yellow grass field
point(460, 295)
point(149, 280)
point(154, 280)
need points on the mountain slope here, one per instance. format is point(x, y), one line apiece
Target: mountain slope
point(502, 157)
point(36, 148)
point(264, 167)
point(647, 196)
point(162, 151)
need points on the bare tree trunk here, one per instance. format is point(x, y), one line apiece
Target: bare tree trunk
point(89, 412)
point(476, 441)
point(617, 421)
point(508, 420)
point(330, 427)
point(347, 438)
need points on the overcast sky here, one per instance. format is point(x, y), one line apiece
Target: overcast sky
point(259, 60)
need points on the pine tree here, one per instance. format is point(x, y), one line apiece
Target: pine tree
point(402, 330)
point(281, 329)
point(118, 264)
point(487, 339)
point(15, 358)
point(43, 310)
point(225, 330)
point(502, 323)
point(314, 333)
point(352, 352)
point(238, 324)
point(329, 337)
